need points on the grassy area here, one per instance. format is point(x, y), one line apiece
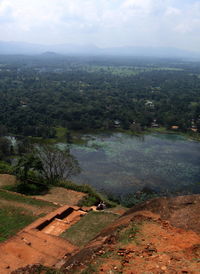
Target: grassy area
point(13, 219)
point(189, 134)
point(60, 137)
point(14, 216)
point(160, 130)
point(110, 255)
point(23, 199)
point(88, 227)
point(192, 135)
point(93, 197)
point(61, 132)
point(128, 234)
point(5, 168)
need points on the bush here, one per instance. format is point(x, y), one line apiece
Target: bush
point(89, 200)
point(28, 188)
point(137, 198)
point(6, 168)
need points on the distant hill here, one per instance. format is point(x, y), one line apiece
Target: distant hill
point(20, 48)
point(71, 49)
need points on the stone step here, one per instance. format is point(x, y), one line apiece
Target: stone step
point(58, 226)
point(74, 215)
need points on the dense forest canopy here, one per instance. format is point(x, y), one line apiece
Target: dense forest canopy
point(39, 93)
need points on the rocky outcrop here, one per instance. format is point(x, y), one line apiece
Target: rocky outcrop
point(180, 211)
point(170, 225)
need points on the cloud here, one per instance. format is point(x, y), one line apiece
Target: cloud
point(171, 11)
point(102, 22)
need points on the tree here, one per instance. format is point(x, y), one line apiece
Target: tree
point(56, 164)
point(27, 163)
point(3, 130)
point(5, 148)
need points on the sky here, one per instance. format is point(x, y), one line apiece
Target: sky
point(104, 23)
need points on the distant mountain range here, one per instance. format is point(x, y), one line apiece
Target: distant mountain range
point(70, 49)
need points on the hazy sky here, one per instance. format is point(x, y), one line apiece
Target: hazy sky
point(105, 23)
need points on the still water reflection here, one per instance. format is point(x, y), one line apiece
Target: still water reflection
point(120, 164)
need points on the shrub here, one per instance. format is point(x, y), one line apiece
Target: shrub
point(28, 188)
point(6, 168)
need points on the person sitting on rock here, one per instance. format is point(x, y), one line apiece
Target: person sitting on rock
point(101, 206)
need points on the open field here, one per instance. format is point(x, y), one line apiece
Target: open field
point(127, 70)
point(12, 219)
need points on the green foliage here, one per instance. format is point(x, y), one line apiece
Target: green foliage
point(61, 132)
point(31, 188)
point(135, 198)
point(129, 234)
point(6, 168)
point(89, 200)
point(26, 166)
point(38, 101)
point(6, 148)
point(43, 167)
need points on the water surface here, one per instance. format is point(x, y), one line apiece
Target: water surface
point(120, 164)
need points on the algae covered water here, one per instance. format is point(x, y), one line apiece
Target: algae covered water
point(119, 164)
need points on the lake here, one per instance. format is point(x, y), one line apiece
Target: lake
point(119, 164)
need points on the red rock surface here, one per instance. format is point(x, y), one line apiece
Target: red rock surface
point(159, 245)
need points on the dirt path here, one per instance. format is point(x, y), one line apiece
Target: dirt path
point(62, 196)
point(6, 179)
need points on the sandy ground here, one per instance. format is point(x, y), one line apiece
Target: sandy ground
point(33, 247)
point(62, 196)
point(6, 179)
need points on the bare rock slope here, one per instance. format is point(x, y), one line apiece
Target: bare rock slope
point(158, 236)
